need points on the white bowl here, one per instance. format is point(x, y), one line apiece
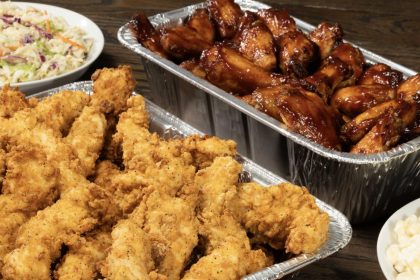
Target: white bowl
point(386, 237)
point(73, 19)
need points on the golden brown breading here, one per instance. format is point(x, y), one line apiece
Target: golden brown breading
point(172, 226)
point(86, 137)
point(111, 88)
point(228, 252)
point(83, 258)
point(39, 240)
point(31, 176)
point(205, 149)
point(14, 212)
point(126, 188)
point(2, 166)
point(284, 216)
point(130, 256)
point(166, 162)
point(31, 184)
point(11, 101)
point(60, 110)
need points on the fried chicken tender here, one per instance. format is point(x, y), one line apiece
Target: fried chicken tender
point(2, 166)
point(31, 184)
point(82, 260)
point(14, 212)
point(31, 176)
point(86, 137)
point(126, 188)
point(111, 88)
point(11, 101)
point(172, 226)
point(130, 256)
point(228, 252)
point(205, 149)
point(39, 240)
point(166, 162)
point(284, 216)
point(60, 110)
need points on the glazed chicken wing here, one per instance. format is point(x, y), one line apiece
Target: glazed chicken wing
point(200, 22)
point(402, 112)
point(301, 111)
point(193, 65)
point(387, 131)
point(327, 36)
point(381, 74)
point(183, 42)
point(340, 69)
point(278, 21)
point(409, 91)
point(146, 34)
point(229, 70)
point(255, 42)
point(226, 14)
point(354, 100)
point(297, 54)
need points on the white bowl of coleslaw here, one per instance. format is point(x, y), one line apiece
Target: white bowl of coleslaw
point(44, 46)
point(398, 246)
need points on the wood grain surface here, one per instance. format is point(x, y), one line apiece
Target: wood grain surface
point(388, 28)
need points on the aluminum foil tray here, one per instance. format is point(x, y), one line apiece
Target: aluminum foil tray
point(363, 187)
point(168, 125)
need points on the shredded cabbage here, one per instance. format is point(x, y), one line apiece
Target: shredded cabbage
point(35, 45)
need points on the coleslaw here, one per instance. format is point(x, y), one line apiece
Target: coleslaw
point(35, 45)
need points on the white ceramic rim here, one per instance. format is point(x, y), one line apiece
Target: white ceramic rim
point(385, 236)
point(95, 51)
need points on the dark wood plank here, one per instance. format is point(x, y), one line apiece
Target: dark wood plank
point(389, 28)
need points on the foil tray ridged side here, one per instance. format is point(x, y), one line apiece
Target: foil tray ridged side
point(168, 125)
point(363, 187)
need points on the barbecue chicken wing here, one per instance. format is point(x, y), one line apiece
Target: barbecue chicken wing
point(297, 54)
point(182, 42)
point(146, 34)
point(193, 65)
point(381, 74)
point(278, 21)
point(386, 133)
point(255, 42)
point(200, 21)
point(326, 36)
point(340, 69)
point(229, 70)
point(301, 111)
point(409, 91)
point(227, 15)
point(354, 100)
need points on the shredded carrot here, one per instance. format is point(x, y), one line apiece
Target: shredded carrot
point(47, 23)
point(71, 42)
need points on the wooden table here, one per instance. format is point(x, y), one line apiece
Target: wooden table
point(391, 30)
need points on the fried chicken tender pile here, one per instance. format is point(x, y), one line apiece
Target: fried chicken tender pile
point(88, 192)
